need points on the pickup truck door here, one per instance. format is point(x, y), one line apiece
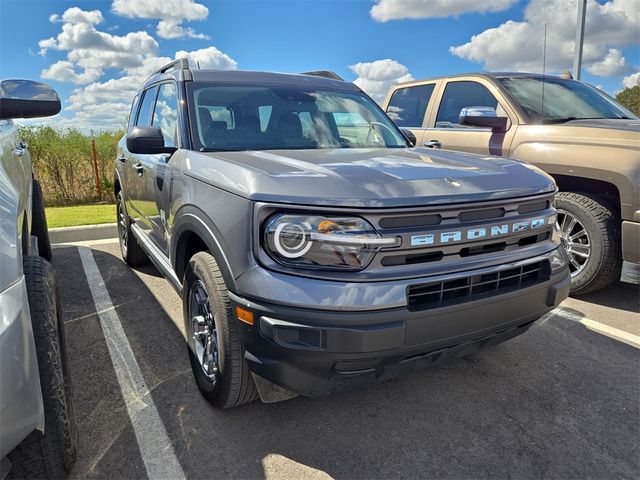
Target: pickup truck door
point(138, 169)
point(444, 131)
point(407, 107)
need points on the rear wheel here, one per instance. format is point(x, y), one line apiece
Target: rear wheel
point(213, 340)
point(590, 233)
point(50, 454)
point(39, 222)
point(131, 251)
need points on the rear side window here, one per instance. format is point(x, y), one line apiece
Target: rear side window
point(132, 114)
point(146, 108)
point(408, 105)
point(166, 113)
point(459, 95)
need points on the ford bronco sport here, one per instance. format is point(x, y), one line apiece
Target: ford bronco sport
point(313, 248)
point(37, 430)
point(576, 133)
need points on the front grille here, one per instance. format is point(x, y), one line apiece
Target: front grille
point(466, 289)
point(410, 221)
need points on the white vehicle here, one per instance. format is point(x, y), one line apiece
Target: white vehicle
point(37, 429)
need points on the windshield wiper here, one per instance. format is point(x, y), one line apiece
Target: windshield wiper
point(206, 149)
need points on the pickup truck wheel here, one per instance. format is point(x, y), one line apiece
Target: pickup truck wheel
point(52, 453)
point(590, 233)
point(213, 340)
point(131, 251)
point(39, 222)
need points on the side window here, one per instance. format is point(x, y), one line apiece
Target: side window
point(146, 108)
point(132, 114)
point(408, 105)
point(165, 114)
point(459, 95)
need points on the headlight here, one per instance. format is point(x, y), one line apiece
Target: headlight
point(319, 242)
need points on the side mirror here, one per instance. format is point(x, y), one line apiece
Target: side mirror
point(27, 99)
point(147, 141)
point(483, 117)
point(408, 134)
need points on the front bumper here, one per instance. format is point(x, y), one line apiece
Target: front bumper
point(315, 351)
point(21, 407)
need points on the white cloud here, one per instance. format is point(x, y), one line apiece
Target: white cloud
point(385, 10)
point(376, 77)
point(519, 45)
point(209, 58)
point(65, 71)
point(170, 13)
point(611, 65)
point(91, 49)
point(632, 80)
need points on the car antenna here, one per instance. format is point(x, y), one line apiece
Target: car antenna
point(544, 71)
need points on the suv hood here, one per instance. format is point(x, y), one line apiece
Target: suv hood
point(629, 125)
point(367, 177)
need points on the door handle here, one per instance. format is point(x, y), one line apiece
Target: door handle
point(122, 158)
point(138, 168)
point(433, 144)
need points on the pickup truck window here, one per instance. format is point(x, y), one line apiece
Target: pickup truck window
point(271, 117)
point(564, 100)
point(459, 95)
point(132, 114)
point(408, 105)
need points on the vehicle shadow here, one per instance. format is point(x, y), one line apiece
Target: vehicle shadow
point(620, 295)
point(516, 410)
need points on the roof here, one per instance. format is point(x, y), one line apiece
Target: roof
point(251, 77)
point(490, 75)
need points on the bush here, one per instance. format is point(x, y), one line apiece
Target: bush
point(630, 99)
point(63, 163)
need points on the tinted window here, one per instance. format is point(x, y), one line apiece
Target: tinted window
point(146, 109)
point(266, 117)
point(132, 114)
point(407, 105)
point(165, 114)
point(459, 95)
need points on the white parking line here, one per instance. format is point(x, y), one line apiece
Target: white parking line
point(601, 328)
point(156, 450)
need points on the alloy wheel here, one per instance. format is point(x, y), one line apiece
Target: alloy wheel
point(123, 232)
point(575, 240)
point(204, 338)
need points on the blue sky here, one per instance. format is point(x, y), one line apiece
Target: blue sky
point(371, 42)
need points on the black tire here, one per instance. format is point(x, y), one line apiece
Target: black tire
point(234, 384)
point(50, 454)
point(131, 251)
point(602, 224)
point(39, 222)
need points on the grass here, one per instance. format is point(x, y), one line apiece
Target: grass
point(80, 215)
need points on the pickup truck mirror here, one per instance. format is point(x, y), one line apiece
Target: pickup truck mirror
point(27, 99)
point(147, 141)
point(408, 134)
point(483, 117)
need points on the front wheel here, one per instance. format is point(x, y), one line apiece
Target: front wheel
point(590, 233)
point(215, 349)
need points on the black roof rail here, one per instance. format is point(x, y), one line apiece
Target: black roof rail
point(324, 73)
point(180, 63)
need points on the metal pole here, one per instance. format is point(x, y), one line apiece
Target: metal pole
point(577, 58)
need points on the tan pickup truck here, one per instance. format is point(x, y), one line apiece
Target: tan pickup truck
point(573, 131)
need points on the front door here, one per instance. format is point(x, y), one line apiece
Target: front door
point(445, 132)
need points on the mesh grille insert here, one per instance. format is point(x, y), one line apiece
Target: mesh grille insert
point(533, 207)
point(410, 221)
point(448, 292)
point(475, 215)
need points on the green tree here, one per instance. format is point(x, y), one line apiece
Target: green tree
point(630, 99)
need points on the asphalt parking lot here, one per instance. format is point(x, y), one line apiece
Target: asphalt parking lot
point(561, 401)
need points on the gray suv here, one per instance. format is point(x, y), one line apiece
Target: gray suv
point(313, 248)
point(37, 430)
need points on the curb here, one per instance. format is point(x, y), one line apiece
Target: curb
point(83, 233)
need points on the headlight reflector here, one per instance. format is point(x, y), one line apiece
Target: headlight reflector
point(319, 242)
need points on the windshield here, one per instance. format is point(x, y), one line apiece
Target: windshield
point(269, 117)
point(564, 100)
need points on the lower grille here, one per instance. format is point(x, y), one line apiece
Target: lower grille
point(466, 289)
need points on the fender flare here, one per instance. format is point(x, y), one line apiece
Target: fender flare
point(191, 219)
